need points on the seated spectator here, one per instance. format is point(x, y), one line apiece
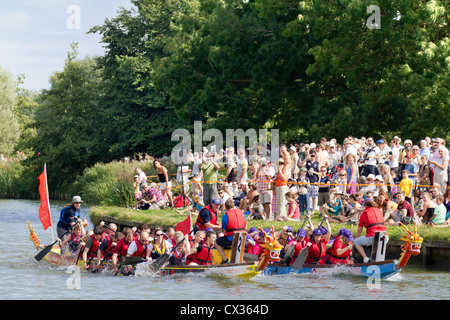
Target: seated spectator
point(429, 207)
point(293, 213)
point(153, 198)
point(404, 212)
point(334, 207)
point(440, 212)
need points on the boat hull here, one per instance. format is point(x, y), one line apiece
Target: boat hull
point(381, 269)
point(238, 270)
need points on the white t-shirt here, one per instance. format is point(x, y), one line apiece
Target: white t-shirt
point(395, 154)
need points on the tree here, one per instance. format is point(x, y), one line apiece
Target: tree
point(9, 126)
point(69, 127)
point(139, 116)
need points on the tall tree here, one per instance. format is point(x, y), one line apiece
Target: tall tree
point(9, 126)
point(139, 116)
point(70, 130)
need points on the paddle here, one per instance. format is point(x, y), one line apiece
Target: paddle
point(162, 259)
point(300, 261)
point(48, 248)
point(290, 251)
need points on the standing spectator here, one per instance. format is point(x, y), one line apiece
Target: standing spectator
point(264, 177)
point(242, 166)
point(352, 171)
point(324, 188)
point(303, 196)
point(164, 181)
point(183, 177)
point(281, 179)
point(209, 169)
point(423, 175)
point(294, 161)
point(142, 178)
point(312, 167)
point(440, 169)
point(393, 157)
point(424, 150)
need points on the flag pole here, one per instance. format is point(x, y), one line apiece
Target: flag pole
point(48, 200)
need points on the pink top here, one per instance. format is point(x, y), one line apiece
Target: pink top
point(296, 214)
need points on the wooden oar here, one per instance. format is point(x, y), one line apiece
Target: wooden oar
point(48, 248)
point(156, 265)
point(300, 261)
point(290, 251)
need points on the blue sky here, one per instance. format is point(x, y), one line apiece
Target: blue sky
point(35, 35)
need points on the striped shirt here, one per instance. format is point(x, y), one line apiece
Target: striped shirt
point(151, 192)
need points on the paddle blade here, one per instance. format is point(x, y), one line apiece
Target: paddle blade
point(250, 257)
point(300, 261)
point(289, 252)
point(159, 263)
point(44, 252)
point(126, 261)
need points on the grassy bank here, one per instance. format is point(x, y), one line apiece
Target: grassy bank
point(168, 217)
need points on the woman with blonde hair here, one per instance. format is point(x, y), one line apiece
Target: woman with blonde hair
point(440, 170)
point(164, 182)
point(352, 173)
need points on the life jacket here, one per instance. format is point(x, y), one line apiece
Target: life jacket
point(177, 257)
point(236, 222)
point(110, 241)
point(63, 218)
point(375, 219)
point(201, 224)
point(95, 245)
point(202, 257)
point(122, 248)
point(141, 250)
point(157, 251)
point(74, 242)
point(298, 247)
point(316, 252)
point(331, 256)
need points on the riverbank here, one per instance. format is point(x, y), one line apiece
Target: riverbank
point(435, 248)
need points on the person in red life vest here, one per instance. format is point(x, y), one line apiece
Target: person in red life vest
point(139, 229)
point(208, 216)
point(252, 242)
point(170, 235)
point(95, 246)
point(299, 243)
point(340, 249)
point(138, 248)
point(178, 256)
point(73, 241)
point(110, 231)
point(232, 221)
point(317, 243)
point(202, 252)
point(121, 248)
point(373, 220)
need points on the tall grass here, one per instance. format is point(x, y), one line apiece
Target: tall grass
point(111, 184)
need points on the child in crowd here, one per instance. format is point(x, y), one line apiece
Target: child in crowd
point(406, 185)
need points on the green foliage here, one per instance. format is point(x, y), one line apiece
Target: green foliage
point(9, 125)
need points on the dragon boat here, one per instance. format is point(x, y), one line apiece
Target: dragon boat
point(236, 268)
point(379, 268)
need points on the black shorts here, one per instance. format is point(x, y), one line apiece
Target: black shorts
point(224, 242)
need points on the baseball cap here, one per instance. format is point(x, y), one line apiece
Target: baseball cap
point(215, 201)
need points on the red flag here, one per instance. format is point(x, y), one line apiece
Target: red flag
point(184, 226)
point(44, 209)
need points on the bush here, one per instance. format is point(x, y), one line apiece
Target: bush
point(111, 184)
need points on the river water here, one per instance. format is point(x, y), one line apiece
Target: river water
point(22, 277)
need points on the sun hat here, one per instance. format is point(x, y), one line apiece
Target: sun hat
point(76, 199)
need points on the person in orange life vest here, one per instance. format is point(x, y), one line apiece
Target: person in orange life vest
point(318, 242)
point(232, 221)
point(373, 220)
point(203, 252)
point(339, 251)
point(208, 216)
point(95, 246)
point(178, 256)
point(121, 248)
point(138, 248)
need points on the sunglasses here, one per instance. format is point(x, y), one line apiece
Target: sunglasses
point(159, 235)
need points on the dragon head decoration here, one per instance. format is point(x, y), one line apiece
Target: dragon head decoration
point(272, 249)
point(412, 245)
